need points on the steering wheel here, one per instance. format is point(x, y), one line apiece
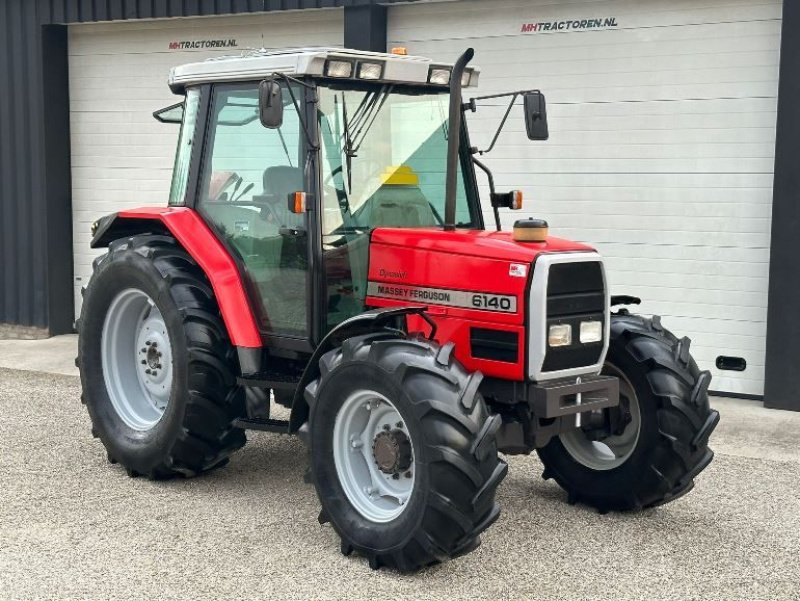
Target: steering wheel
point(221, 182)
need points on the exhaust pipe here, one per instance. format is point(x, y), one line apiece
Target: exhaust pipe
point(454, 139)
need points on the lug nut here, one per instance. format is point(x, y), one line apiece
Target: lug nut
point(395, 476)
point(387, 427)
point(144, 350)
point(147, 371)
point(144, 362)
point(148, 343)
point(158, 366)
point(155, 344)
point(408, 474)
point(400, 425)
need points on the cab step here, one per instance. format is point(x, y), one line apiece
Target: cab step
point(278, 426)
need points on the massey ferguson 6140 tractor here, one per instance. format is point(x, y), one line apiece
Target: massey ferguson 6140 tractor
point(324, 248)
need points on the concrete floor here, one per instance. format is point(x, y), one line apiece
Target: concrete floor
point(73, 526)
point(54, 355)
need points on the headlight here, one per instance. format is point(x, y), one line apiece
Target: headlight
point(560, 335)
point(370, 70)
point(591, 331)
point(339, 69)
point(439, 76)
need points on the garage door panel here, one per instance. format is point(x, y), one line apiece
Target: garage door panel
point(121, 156)
point(716, 294)
point(506, 18)
point(644, 181)
point(661, 150)
point(251, 31)
point(687, 210)
point(744, 276)
point(578, 48)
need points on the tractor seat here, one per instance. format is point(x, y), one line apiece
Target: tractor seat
point(401, 206)
point(279, 182)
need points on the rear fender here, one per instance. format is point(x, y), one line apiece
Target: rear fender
point(197, 239)
point(371, 321)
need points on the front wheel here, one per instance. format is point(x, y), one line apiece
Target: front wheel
point(403, 451)
point(647, 451)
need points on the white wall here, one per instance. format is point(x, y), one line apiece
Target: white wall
point(662, 134)
point(121, 156)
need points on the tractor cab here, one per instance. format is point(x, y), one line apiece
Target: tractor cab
point(299, 156)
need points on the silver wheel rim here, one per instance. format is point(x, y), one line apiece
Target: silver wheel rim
point(137, 359)
point(614, 450)
point(363, 417)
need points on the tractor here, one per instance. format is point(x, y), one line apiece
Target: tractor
point(324, 249)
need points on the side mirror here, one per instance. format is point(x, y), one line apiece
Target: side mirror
point(536, 116)
point(270, 104)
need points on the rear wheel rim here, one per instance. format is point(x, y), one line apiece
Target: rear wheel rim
point(368, 435)
point(136, 356)
point(614, 450)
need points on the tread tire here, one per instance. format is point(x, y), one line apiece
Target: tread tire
point(453, 437)
point(196, 433)
point(676, 423)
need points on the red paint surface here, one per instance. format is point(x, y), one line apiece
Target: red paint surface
point(201, 243)
point(468, 260)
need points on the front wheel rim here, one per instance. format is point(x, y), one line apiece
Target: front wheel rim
point(367, 428)
point(614, 450)
point(136, 356)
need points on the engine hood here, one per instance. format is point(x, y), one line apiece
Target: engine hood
point(491, 245)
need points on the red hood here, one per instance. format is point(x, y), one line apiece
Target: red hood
point(474, 243)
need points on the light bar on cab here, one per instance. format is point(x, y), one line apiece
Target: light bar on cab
point(369, 70)
point(338, 68)
point(439, 75)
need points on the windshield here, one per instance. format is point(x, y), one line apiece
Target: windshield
point(384, 159)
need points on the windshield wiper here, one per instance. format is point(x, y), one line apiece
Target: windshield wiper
point(364, 118)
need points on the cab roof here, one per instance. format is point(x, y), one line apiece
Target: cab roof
point(258, 64)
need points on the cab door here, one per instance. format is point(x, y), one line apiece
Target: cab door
point(246, 175)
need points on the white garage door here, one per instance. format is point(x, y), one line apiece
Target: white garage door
point(662, 135)
point(121, 156)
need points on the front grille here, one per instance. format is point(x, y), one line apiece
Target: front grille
point(575, 293)
point(575, 288)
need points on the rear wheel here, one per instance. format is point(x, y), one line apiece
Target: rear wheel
point(403, 451)
point(157, 368)
point(647, 451)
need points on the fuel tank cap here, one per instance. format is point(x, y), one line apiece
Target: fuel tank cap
point(530, 230)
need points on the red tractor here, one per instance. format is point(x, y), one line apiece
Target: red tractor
point(324, 249)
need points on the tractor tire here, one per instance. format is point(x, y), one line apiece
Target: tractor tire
point(149, 307)
point(434, 414)
point(661, 383)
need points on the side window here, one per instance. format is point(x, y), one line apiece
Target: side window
point(183, 156)
point(247, 175)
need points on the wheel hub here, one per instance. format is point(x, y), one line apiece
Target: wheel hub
point(608, 439)
point(392, 452)
point(137, 359)
point(374, 456)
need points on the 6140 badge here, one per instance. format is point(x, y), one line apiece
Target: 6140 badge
point(500, 303)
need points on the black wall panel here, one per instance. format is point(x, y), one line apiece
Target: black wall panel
point(782, 385)
point(35, 189)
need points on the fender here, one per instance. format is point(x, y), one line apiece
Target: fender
point(364, 323)
point(197, 239)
